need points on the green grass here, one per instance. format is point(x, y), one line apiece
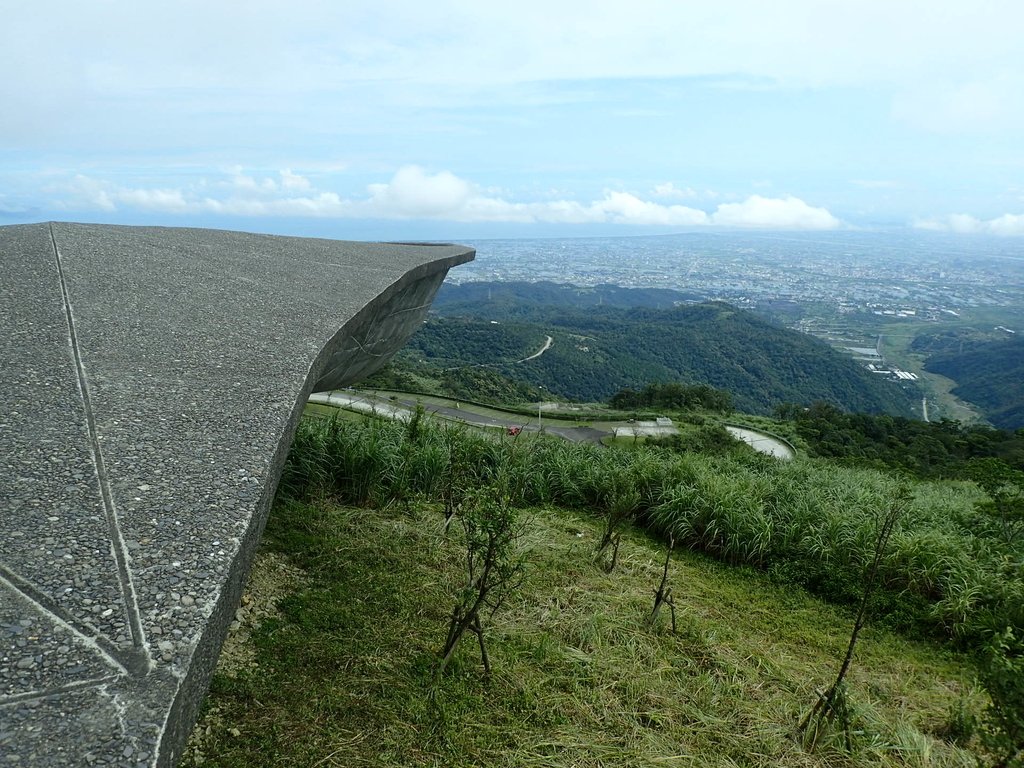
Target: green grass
point(324, 411)
point(344, 676)
point(808, 522)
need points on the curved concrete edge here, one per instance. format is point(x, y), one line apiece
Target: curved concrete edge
point(153, 382)
point(343, 361)
point(762, 441)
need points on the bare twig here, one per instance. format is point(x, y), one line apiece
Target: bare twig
point(663, 595)
point(833, 703)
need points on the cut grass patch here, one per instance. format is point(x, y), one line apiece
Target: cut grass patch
point(324, 411)
point(344, 673)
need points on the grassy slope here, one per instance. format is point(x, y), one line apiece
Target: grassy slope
point(344, 676)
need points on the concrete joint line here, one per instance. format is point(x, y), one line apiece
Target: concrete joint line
point(127, 662)
point(69, 688)
point(117, 544)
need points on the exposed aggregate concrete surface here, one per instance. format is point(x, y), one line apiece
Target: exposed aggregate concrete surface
point(150, 383)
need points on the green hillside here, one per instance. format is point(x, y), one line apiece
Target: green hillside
point(602, 350)
point(924, 449)
point(989, 374)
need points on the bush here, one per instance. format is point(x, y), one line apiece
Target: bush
point(1002, 674)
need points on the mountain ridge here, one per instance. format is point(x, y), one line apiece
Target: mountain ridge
point(989, 374)
point(600, 349)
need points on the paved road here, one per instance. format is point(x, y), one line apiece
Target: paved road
point(539, 352)
point(401, 409)
point(761, 442)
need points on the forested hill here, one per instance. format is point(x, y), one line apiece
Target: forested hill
point(601, 350)
point(990, 375)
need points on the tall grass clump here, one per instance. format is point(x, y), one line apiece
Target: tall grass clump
point(806, 522)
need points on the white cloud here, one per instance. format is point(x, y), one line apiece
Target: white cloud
point(170, 200)
point(294, 181)
point(88, 193)
point(962, 222)
point(774, 213)
point(246, 184)
point(624, 208)
point(242, 195)
point(1007, 225)
point(323, 204)
point(671, 191)
point(414, 193)
point(83, 192)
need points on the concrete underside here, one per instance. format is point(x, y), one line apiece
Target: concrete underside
point(150, 383)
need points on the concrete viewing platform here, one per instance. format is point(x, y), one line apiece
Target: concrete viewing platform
point(151, 380)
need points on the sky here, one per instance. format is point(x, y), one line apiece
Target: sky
point(447, 119)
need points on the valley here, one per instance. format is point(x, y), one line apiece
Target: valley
point(853, 290)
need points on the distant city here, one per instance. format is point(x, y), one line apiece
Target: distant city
point(922, 276)
point(896, 274)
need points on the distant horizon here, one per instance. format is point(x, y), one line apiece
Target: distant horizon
point(408, 231)
point(358, 228)
point(275, 224)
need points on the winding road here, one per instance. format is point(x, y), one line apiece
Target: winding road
point(547, 345)
point(401, 409)
point(539, 352)
point(762, 442)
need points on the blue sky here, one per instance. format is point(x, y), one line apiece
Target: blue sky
point(449, 119)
